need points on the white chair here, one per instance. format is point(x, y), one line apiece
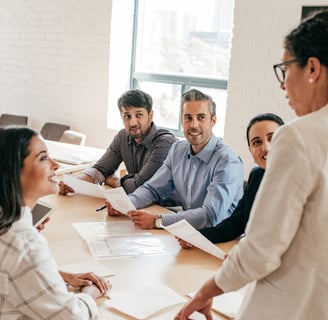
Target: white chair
point(73, 137)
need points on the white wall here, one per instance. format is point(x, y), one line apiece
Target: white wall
point(259, 30)
point(54, 64)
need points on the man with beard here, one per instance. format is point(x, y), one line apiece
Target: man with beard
point(140, 145)
point(202, 174)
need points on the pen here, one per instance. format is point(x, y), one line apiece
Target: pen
point(101, 208)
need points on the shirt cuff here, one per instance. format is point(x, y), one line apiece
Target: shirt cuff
point(90, 304)
point(95, 174)
point(168, 219)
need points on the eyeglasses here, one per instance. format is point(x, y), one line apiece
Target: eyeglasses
point(280, 69)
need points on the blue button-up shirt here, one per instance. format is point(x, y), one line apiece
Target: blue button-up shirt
point(207, 185)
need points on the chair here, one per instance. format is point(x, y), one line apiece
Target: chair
point(73, 137)
point(53, 131)
point(7, 119)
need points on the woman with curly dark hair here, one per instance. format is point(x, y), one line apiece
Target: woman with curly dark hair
point(284, 253)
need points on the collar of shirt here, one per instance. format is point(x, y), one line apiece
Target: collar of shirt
point(206, 153)
point(148, 140)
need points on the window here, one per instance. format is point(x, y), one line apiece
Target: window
point(180, 45)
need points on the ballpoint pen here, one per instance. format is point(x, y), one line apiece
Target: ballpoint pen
point(101, 208)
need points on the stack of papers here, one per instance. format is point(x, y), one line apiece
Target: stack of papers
point(75, 158)
point(68, 168)
point(101, 229)
point(129, 246)
point(118, 239)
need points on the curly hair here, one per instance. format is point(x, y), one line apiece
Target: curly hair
point(310, 39)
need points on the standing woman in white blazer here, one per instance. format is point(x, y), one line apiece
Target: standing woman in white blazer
point(284, 253)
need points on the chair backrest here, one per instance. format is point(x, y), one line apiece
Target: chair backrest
point(53, 131)
point(73, 137)
point(7, 119)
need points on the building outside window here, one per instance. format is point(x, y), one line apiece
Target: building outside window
point(178, 45)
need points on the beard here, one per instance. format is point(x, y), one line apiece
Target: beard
point(139, 135)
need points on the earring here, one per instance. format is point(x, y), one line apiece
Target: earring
point(311, 80)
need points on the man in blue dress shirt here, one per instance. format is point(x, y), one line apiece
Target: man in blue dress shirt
point(202, 174)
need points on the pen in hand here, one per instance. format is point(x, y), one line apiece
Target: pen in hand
point(101, 208)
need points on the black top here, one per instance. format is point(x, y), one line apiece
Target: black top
point(234, 226)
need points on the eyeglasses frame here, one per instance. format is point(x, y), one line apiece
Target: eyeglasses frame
point(280, 65)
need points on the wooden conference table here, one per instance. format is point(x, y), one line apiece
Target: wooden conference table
point(182, 270)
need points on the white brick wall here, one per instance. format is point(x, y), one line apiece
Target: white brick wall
point(259, 29)
point(54, 62)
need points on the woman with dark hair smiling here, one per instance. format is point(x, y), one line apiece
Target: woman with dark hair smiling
point(284, 252)
point(31, 287)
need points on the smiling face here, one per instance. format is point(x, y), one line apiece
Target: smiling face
point(37, 176)
point(137, 122)
point(259, 138)
point(197, 124)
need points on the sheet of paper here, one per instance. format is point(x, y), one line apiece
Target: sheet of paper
point(145, 301)
point(119, 200)
point(129, 246)
point(75, 158)
point(227, 304)
point(171, 313)
point(90, 266)
point(103, 229)
point(116, 196)
point(84, 187)
point(70, 168)
point(185, 231)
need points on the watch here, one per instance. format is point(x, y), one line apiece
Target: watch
point(158, 221)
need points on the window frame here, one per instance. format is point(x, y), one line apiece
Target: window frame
point(184, 80)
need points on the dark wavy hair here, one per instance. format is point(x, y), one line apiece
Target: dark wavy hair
point(263, 117)
point(135, 98)
point(196, 95)
point(310, 39)
point(14, 148)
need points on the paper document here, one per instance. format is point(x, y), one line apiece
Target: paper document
point(99, 229)
point(128, 246)
point(84, 187)
point(185, 231)
point(75, 158)
point(116, 196)
point(90, 266)
point(144, 302)
point(119, 200)
point(227, 303)
point(70, 168)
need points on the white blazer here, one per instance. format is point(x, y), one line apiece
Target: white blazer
point(286, 245)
